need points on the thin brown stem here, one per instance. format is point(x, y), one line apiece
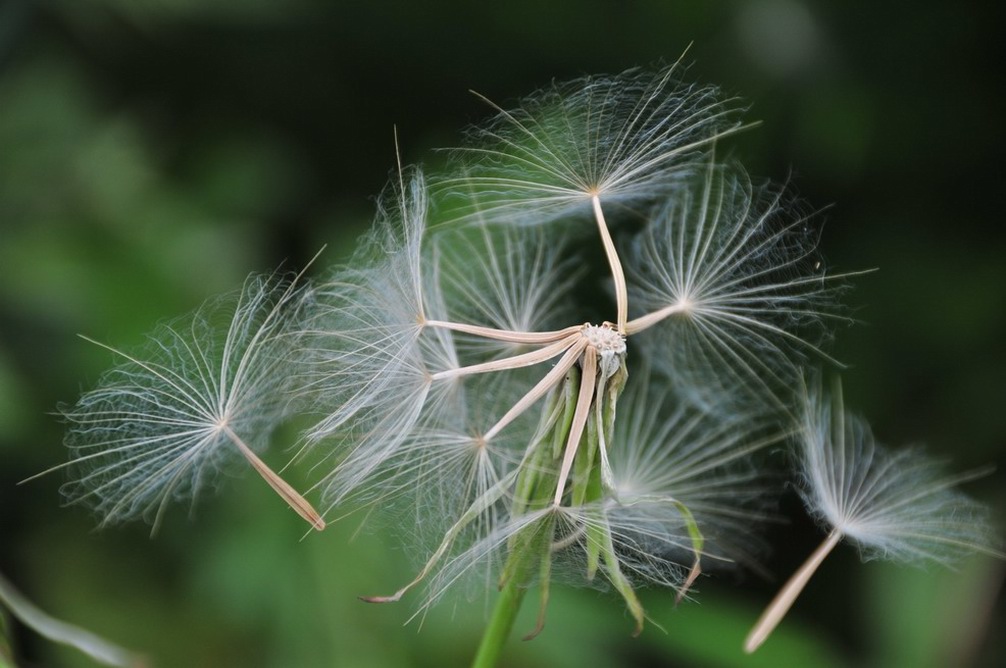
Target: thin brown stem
point(515, 362)
point(293, 498)
point(550, 380)
point(782, 602)
point(650, 319)
point(621, 291)
point(509, 335)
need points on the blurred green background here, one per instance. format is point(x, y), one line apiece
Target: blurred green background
point(155, 152)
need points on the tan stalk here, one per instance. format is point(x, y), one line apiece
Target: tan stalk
point(621, 291)
point(650, 319)
point(782, 602)
point(515, 362)
point(508, 335)
point(587, 381)
point(293, 498)
point(551, 379)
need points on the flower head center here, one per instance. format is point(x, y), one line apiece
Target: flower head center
point(604, 339)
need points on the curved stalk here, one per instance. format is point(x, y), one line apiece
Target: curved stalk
point(621, 291)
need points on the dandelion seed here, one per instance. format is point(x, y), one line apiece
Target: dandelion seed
point(724, 279)
point(368, 365)
point(164, 423)
point(671, 453)
point(624, 139)
point(897, 505)
point(619, 141)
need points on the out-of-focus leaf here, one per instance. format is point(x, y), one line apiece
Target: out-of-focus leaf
point(712, 633)
point(6, 654)
point(58, 631)
point(13, 400)
point(930, 618)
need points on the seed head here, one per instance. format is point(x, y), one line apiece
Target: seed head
point(205, 394)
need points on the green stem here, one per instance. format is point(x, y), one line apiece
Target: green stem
point(532, 491)
point(500, 624)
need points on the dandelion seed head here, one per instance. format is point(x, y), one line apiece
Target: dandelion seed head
point(457, 387)
point(604, 339)
point(610, 347)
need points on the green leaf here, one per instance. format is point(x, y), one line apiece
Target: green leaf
point(94, 646)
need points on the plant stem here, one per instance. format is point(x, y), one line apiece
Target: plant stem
point(532, 491)
point(500, 623)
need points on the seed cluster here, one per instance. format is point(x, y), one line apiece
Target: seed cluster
point(447, 369)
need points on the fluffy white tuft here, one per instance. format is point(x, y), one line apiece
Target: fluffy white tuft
point(897, 505)
point(665, 452)
point(369, 358)
point(162, 424)
point(727, 281)
point(625, 138)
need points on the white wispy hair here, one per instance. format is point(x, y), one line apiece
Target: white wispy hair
point(207, 392)
point(665, 452)
point(624, 138)
point(727, 280)
point(893, 504)
point(897, 505)
point(368, 365)
point(678, 477)
point(506, 278)
point(396, 360)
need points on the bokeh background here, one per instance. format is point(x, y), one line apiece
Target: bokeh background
point(155, 152)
